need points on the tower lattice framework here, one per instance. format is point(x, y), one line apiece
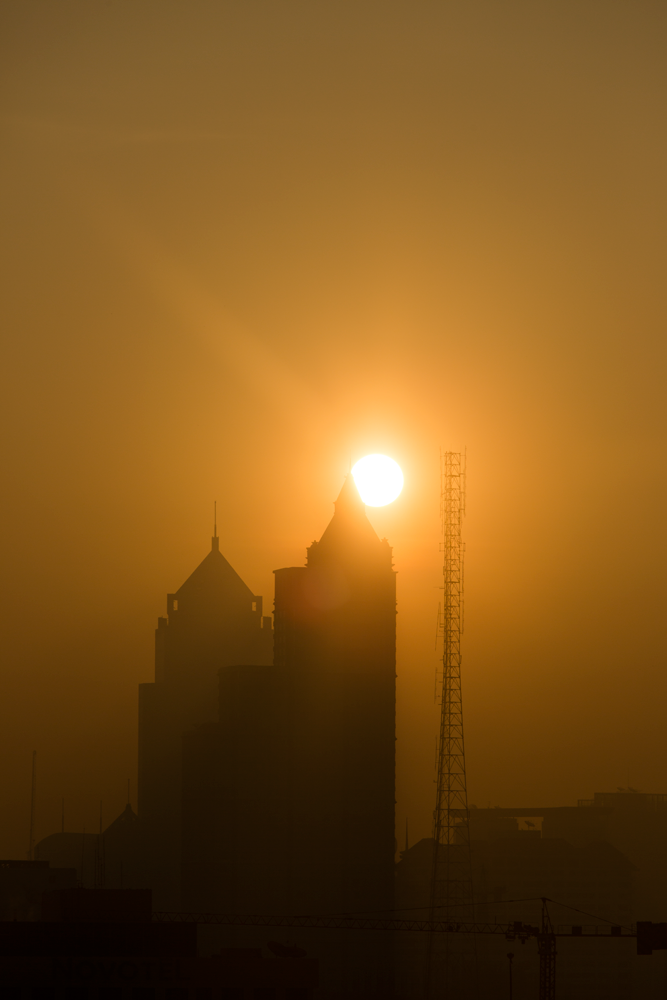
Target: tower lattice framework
point(451, 879)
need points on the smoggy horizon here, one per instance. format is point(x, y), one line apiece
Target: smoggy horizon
point(244, 247)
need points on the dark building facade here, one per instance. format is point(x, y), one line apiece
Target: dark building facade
point(266, 776)
point(102, 945)
point(335, 644)
point(22, 884)
point(80, 851)
point(110, 859)
point(633, 822)
point(213, 620)
point(511, 871)
point(601, 862)
point(288, 802)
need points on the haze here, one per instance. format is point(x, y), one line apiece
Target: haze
point(245, 244)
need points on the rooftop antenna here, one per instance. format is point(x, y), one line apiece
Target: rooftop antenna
point(215, 541)
point(33, 805)
point(100, 852)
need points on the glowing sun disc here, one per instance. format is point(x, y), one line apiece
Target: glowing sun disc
point(378, 478)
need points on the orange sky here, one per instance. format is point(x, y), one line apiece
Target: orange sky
point(244, 243)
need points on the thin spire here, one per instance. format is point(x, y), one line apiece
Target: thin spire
point(215, 541)
point(100, 853)
point(33, 808)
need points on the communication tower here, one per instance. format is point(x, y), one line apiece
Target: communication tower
point(451, 877)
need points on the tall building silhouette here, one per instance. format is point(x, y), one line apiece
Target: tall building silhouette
point(212, 620)
point(289, 800)
point(335, 642)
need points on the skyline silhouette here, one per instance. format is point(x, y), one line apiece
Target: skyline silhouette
point(231, 266)
point(267, 784)
point(245, 245)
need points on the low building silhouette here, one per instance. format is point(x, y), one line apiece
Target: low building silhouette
point(634, 822)
point(112, 859)
point(72, 850)
point(22, 884)
point(102, 945)
point(511, 872)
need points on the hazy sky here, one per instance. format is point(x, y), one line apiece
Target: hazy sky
point(245, 242)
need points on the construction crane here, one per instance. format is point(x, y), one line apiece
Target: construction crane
point(650, 936)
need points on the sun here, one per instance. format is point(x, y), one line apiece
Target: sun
point(378, 478)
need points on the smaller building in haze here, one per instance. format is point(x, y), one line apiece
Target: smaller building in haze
point(213, 620)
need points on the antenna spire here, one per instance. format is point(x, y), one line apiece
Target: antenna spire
point(215, 541)
point(101, 865)
point(33, 808)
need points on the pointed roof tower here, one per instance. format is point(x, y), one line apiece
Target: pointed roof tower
point(349, 537)
point(123, 824)
point(212, 585)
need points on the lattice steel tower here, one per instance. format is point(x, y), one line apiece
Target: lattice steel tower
point(451, 879)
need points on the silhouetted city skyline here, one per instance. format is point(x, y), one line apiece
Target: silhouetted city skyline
point(245, 247)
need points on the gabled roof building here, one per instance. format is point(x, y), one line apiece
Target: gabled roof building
point(212, 620)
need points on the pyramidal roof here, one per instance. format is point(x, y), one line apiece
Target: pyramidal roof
point(349, 533)
point(123, 823)
point(214, 572)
